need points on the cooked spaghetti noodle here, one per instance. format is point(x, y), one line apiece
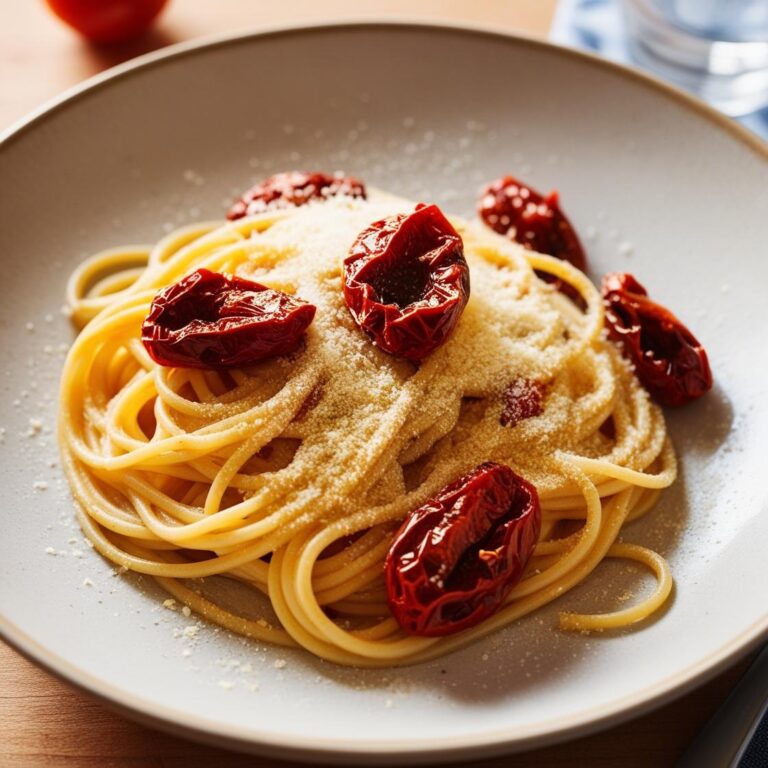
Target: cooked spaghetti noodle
point(291, 476)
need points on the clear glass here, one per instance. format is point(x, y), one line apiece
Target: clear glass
point(716, 48)
point(728, 20)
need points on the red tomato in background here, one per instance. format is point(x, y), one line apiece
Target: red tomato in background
point(107, 21)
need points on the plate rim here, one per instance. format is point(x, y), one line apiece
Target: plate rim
point(190, 47)
point(487, 743)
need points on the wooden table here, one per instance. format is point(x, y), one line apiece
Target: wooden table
point(44, 722)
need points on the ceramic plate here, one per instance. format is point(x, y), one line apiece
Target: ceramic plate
point(657, 185)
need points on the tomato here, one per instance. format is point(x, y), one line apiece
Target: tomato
point(292, 189)
point(208, 320)
point(107, 21)
point(669, 360)
point(512, 208)
point(406, 281)
point(456, 557)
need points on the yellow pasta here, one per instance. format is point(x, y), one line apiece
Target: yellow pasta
point(292, 475)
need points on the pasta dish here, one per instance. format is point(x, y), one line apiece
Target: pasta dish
point(411, 432)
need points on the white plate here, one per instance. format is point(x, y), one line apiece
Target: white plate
point(658, 184)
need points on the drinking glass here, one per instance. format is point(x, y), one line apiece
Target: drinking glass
point(717, 49)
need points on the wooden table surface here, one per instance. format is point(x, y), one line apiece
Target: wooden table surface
point(43, 722)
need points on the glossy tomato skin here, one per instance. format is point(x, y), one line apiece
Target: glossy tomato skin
point(208, 320)
point(107, 21)
point(292, 189)
point(521, 399)
point(669, 360)
point(514, 209)
point(456, 557)
point(518, 211)
point(406, 282)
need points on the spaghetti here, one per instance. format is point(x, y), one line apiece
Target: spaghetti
point(292, 475)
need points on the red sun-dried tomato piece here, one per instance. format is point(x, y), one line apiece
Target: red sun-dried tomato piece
point(522, 399)
point(669, 361)
point(512, 208)
point(209, 320)
point(456, 558)
point(406, 281)
point(292, 189)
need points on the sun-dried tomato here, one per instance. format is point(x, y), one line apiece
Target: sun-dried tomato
point(456, 558)
point(512, 208)
point(292, 189)
point(669, 361)
point(406, 281)
point(209, 320)
point(520, 400)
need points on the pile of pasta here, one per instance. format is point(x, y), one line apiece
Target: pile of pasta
point(291, 476)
